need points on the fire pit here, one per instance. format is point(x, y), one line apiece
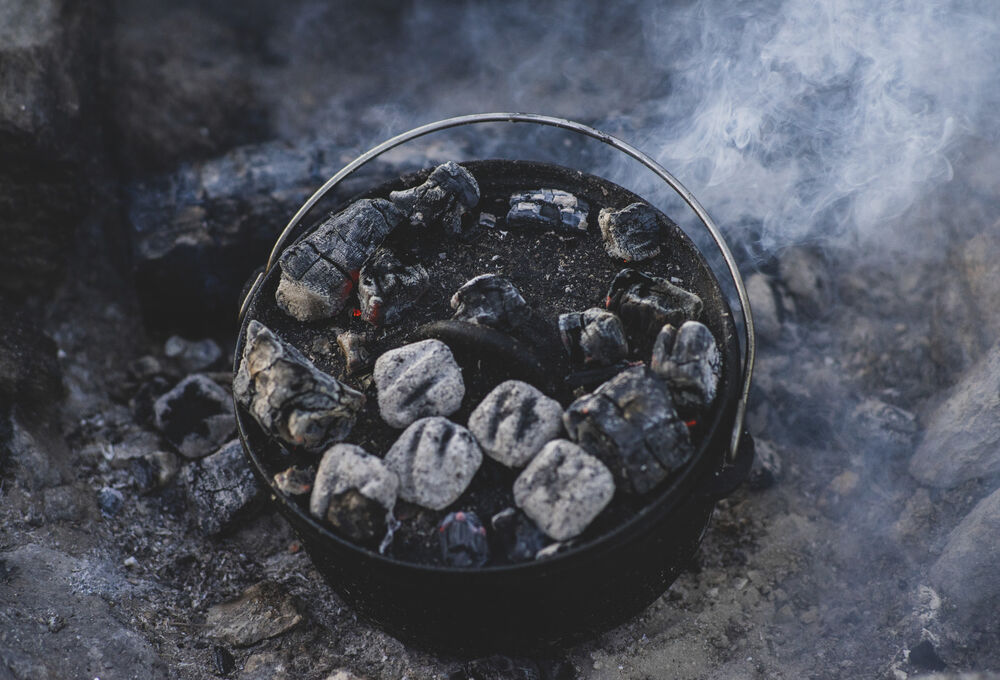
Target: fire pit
point(525, 301)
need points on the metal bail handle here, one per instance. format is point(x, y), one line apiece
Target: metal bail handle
point(750, 348)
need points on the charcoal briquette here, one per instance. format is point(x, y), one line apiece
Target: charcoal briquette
point(463, 540)
point(387, 287)
point(490, 300)
point(514, 421)
point(418, 380)
point(645, 303)
point(435, 460)
point(632, 233)
point(448, 193)
point(594, 337)
point(548, 209)
point(688, 359)
point(354, 491)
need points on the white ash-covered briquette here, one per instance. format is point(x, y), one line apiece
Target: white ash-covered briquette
point(490, 300)
point(387, 287)
point(631, 424)
point(435, 460)
point(448, 193)
point(357, 356)
point(514, 422)
point(563, 489)
point(289, 397)
point(548, 209)
point(632, 233)
point(645, 303)
point(416, 381)
point(593, 337)
point(354, 491)
point(688, 359)
point(318, 272)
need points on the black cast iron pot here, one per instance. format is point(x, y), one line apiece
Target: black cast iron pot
point(589, 588)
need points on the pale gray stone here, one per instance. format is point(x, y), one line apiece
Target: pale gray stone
point(435, 460)
point(262, 611)
point(514, 422)
point(416, 381)
point(688, 359)
point(632, 233)
point(563, 489)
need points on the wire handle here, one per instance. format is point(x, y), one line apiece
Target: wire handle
point(750, 348)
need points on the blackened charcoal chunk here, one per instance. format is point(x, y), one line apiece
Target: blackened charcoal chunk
point(318, 272)
point(357, 357)
point(449, 192)
point(632, 233)
point(220, 488)
point(154, 470)
point(645, 303)
point(354, 491)
point(487, 220)
point(563, 489)
point(688, 359)
point(631, 424)
point(196, 416)
point(548, 209)
point(594, 337)
point(520, 537)
point(490, 300)
point(435, 460)
point(418, 380)
point(387, 287)
point(295, 481)
point(514, 422)
point(463, 540)
point(289, 397)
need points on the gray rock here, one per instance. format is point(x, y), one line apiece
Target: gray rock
point(688, 359)
point(262, 611)
point(490, 300)
point(387, 287)
point(632, 233)
point(885, 427)
point(966, 571)
point(110, 501)
point(593, 337)
point(806, 276)
point(962, 439)
point(514, 421)
point(448, 193)
point(646, 303)
point(418, 380)
point(357, 357)
point(353, 491)
point(563, 489)
point(435, 460)
point(153, 470)
point(630, 423)
point(289, 397)
point(220, 488)
point(318, 272)
point(192, 356)
point(196, 416)
point(767, 311)
point(548, 209)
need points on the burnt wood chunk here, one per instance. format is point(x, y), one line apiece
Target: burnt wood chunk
point(295, 481)
point(318, 272)
point(645, 303)
point(387, 287)
point(688, 359)
point(463, 541)
point(289, 397)
point(548, 209)
point(514, 422)
point(594, 337)
point(632, 233)
point(631, 424)
point(435, 460)
point(490, 300)
point(354, 491)
point(357, 357)
point(448, 193)
point(418, 380)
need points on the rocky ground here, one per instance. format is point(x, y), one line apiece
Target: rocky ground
point(149, 156)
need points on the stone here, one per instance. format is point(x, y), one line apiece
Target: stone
point(962, 438)
point(514, 421)
point(153, 470)
point(295, 481)
point(548, 209)
point(520, 537)
point(435, 460)
point(192, 356)
point(563, 489)
point(449, 192)
point(767, 310)
point(646, 303)
point(262, 611)
point(357, 356)
point(196, 416)
point(319, 271)
point(416, 381)
point(688, 359)
point(289, 397)
point(220, 488)
point(354, 491)
point(632, 233)
point(110, 501)
point(462, 538)
point(885, 427)
point(966, 572)
point(765, 471)
point(387, 287)
point(594, 337)
point(807, 278)
point(490, 300)
point(630, 423)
